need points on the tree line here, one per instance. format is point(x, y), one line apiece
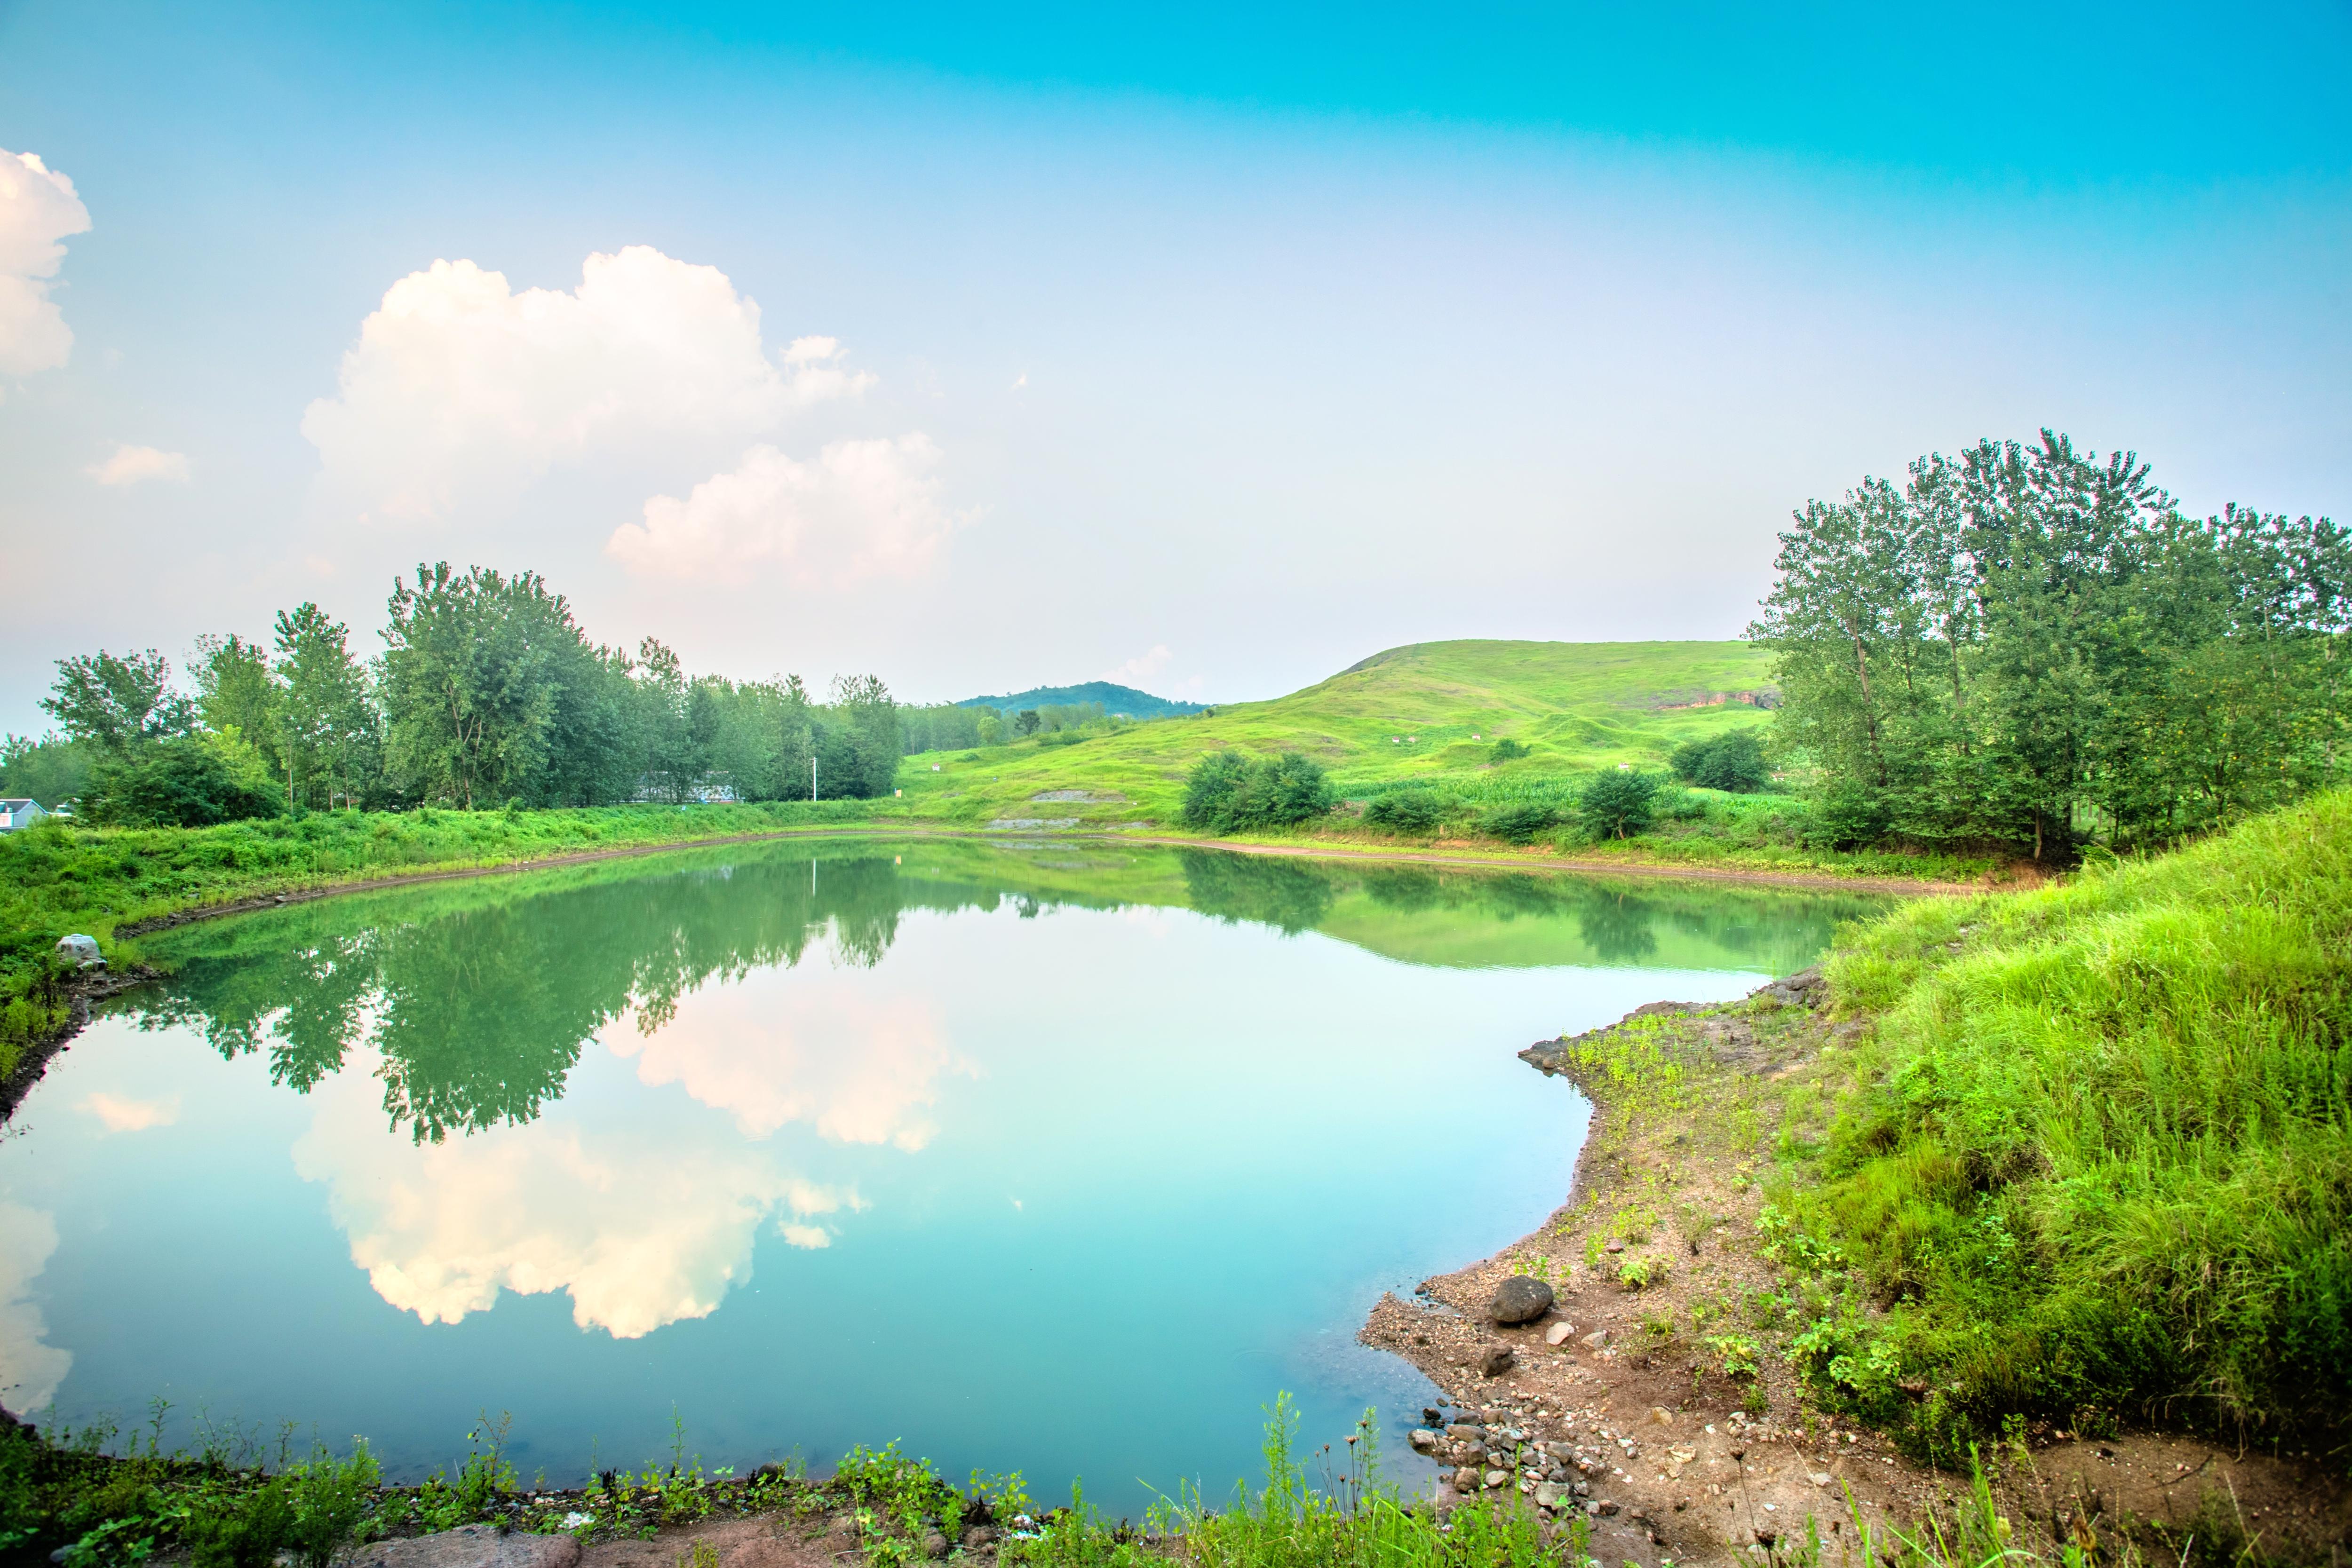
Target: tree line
point(2029, 648)
point(487, 692)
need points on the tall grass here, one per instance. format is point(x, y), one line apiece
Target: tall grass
point(2097, 1160)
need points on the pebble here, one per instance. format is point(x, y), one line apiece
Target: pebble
point(1560, 1334)
point(1496, 1361)
point(1422, 1440)
point(1594, 1340)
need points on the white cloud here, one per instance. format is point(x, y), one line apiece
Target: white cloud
point(791, 1046)
point(459, 386)
point(38, 209)
point(30, 1367)
point(1141, 668)
point(808, 1236)
point(862, 509)
point(118, 1114)
point(639, 1227)
point(129, 464)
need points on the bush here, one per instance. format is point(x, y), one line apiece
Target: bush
point(1733, 762)
point(1847, 817)
point(1616, 805)
point(1226, 792)
point(186, 782)
point(1414, 810)
point(1518, 822)
point(1508, 751)
point(247, 1532)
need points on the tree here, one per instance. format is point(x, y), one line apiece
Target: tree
point(327, 724)
point(1733, 762)
point(182, 781)
point(1518, 821)
point(867, 744)
point(238, 694)
point(1410, 811)
point(1026, 721)
point(1617, 805)
point(1226, 792)
point(51, 769)
point(469, 680)
point(116, 703)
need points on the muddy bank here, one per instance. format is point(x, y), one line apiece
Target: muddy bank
point(1642, 1396)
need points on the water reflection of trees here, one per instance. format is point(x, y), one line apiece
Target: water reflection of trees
point(477, 997)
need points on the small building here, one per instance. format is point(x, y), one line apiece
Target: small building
point(22, 813)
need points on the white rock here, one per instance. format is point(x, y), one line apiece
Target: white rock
point(1560, 1334)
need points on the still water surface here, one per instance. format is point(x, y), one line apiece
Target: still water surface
point(1055, 1157)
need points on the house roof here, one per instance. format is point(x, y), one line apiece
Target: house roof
point(21, 801)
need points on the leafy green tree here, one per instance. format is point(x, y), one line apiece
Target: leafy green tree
point(865, 738)
point(1228, 793)
point(51, 769)
point(238, 694)
point(184, 781)
point(1517, 821)
point(1733, 762)
point(327, 721)
point(114, 703)
point(1408, 810)
point(469, 680)
point(1616, 805)
point(1026, 721)
point(1507, 750)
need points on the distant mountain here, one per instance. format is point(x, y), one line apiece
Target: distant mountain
point(1114, 698)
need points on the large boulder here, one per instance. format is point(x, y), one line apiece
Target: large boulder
point(1521, 1299)
point(79, 950)
point(474, 1546)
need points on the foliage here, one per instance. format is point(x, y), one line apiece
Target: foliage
point(1518, 822)
point(1507, 750)
point(2098, 1158)
point(1228, 793)
point(1408, 810)
point(187, 781)
point(114, 702)
point(52, 769)
point(2031, 647)
point(1617, 805)
point(1732, 762)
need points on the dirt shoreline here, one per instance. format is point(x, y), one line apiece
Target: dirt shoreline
point(1701, 1467)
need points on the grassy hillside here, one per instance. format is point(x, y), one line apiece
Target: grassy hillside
point(1409, 713)
point(1114, 697)
point(2095, 1150)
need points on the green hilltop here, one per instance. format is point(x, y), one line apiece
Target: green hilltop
point(1424, 711)
point(1114, 697)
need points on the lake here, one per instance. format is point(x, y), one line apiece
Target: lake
point(1063, 1158)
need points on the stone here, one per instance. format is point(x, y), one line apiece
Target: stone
point(935, 1545)
point(1602, 1506)
point(1497, 1477)
point(1422, 1440)
point(1818, 1478)
point(1560, 1334)
point(1549, 1495)
point(1466, 1432)
point(80, 950)
point(1496, 1362)
point(1594, 1340)
point(473, 1546)
point(1521, 1299)
point(1614, 1246)
point(1466, 1479)
point(1660, 1416)
point(978, 1536)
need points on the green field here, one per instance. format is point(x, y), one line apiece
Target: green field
point(1406, 715)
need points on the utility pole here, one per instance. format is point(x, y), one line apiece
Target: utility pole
point(812, 775)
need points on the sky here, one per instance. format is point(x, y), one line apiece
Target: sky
point(1208, 349)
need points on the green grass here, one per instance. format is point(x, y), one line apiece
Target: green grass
point(2093, 1161)
point(1404, 716)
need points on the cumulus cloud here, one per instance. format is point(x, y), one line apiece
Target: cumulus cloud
point(38, 209)
point(1141, 668)
point(640, 1228)
point(119, 1115)
point(861, 508)
point(458, 383)
point(799, 1047)
point(30, 1367)
point(131, 464)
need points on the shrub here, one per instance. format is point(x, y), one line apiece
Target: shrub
point(1847, 817)
point(1616, 805)
point(186, 782)
point(1733, 762)
point(1518, 822)
point(247, 1532)
point(1414, 810)
point(1508, 751)
point(1227, 793)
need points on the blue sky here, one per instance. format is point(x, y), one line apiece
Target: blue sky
point(1213, 348)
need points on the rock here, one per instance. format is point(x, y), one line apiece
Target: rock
point(1600, 1506)
point(474, 1546)
point(1660, 1416)
point(1560, 1334)
point(1614, 1246)
point(1497, 1477)
point(1521, 1299)
point(935, 1545)
point(1496, 1362)
point(1430, 1417)
point(80, 950)
point(1594, 1340)
point(1818, 1478)
point(1466, 1479)
point(1423, 1440)
point(1466, 1432)
point(1547, 1495)
point(978, 1536)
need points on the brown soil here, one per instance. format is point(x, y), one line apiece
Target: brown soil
point(1693, 1476)
point(777, 1540)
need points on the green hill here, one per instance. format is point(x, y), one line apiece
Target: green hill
point(1114, 697)
point(1428, 710)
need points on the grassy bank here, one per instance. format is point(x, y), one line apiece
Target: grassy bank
point(2057, 1164)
